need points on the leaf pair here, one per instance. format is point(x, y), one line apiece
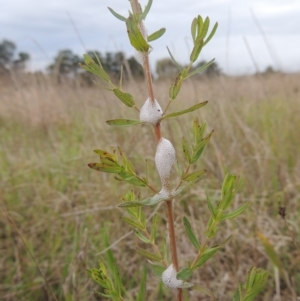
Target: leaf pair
point(256, 281)
point(142, 15)
point(112, 285)
point(204, 253)
point(110, 163)
point(229, 189)
point(199, 142)
point(95, 67)
point(127, 100)
point(199, 30)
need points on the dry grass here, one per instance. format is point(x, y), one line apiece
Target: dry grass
point(64, 211)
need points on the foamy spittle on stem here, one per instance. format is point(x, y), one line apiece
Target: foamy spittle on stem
point(151, 112)
point(141, 56)
point(169, 278)
point(164, 159)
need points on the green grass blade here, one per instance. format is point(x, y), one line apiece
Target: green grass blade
point(142, 289)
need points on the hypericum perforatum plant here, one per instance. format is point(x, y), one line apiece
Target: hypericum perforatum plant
point(173, 277)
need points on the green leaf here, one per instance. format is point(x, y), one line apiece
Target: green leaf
point(190, 233)
point(117, 281)
point(142, 289)
point(147, 9)
point(196, 130)
point(211, 34)
point(191, 109)
point(117, 15)
point(270, 250)
point(184, 274)
point(134, 223)
point(198, 149)
point(132, 179)
point(208, 253)
point(200, 25)
point(175, 89)
point(238, 294)
point(186, 150)
point(126, 98)
point(185, 285)
point(234, 213)
point(156, 35)
point(198, 45)
point(151, 201)
point(256, 280)
point(122, 122)
point(142, 237)
point(194, 29)
point(250, 278)
point(97, 69)
point(205, 28)
point(229, 189)
point(136, 38)
point(148, 255)
point(185, 186)
point(200, 69)
point(174, 61)
point(153, 228)
point(105, 154)
point(205, 291)
point(195, 176)
point(105, 168)
point(157, 270)
point(111, 261)
point(211, 207)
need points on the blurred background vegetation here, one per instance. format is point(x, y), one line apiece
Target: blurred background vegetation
point(67, 214)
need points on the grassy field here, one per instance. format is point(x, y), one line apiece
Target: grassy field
point(64, 212)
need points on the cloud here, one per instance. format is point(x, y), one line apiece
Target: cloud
point(42, 28)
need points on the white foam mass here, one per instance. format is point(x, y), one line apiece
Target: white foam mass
point(164, 159)
point(151, 112)
point(169, 278)
point(140, 56)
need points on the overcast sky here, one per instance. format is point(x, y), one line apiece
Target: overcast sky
point(42, 28)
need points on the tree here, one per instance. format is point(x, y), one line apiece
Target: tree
point(135, 67)
point(7, 57)
point(65, 63)
point(20, 63)
point(165, 68)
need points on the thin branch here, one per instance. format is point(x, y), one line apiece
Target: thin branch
point(173, 247)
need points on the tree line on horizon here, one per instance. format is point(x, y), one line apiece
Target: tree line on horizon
point(67, 64)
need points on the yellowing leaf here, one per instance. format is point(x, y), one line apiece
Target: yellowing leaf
point(270, 250)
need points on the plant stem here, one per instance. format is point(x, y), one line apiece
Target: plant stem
point(173, 247)
point(200, 253)
point(157, 130)
point(148, 77)
point(136, 9)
